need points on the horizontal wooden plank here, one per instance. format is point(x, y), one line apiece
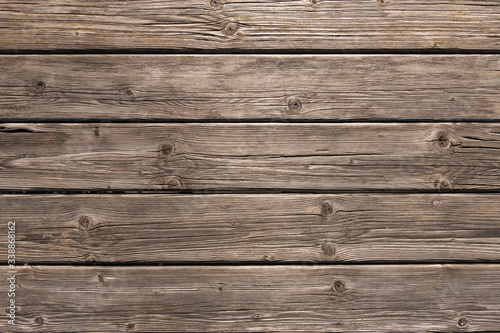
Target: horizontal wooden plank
point(219, 156)
point(399, 298)
point(250, 87)
point(249, 24)
point(253, 228)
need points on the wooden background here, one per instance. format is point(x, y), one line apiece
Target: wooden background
point(264, 165)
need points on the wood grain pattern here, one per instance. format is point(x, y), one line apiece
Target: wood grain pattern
point(218, 156)
point(253, 228)
point(396, 298)
point(249, 24)
point(250, 87)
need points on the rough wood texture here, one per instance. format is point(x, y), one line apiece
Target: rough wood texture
point(399, 298)
point(249, 24)
point(295, 87)
point(245, 228)
point(415, 156)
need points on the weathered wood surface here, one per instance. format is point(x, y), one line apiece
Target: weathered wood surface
point(253, 228)
point(219, 156)
point(250, 87)
point(394, 298)
point(249, 24)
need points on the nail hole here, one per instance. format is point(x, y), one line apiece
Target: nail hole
point(294, 104)
point(100, 278)
point(39, 85)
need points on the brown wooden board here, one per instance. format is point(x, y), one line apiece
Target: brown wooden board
point(219, 156)
point(394, 298)
point(253, 228)
point(249, 25)
point(250, 87)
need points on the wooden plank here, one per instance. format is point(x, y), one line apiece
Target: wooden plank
point(219, 156)
point(249, 24)
point(250, 87)
point(253, 228)
point(398, 298)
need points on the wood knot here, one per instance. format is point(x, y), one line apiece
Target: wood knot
point(443, 140)
point(339, 287)
point(167, 149)
point(328, 249)
point(91, 258)
point(130, 326)
point(129, 92)
point(268, 257)
point(382, 2)
point(85, 222)
point(216, 3)
point(462, 322)
point(97, 132)
point(39, 320)
point(443, 184)
point(172, 183)
point(314, 2)
point(39, 85)
point(294, 104)
point(100, 278)
point(327, 209)
point(231, 28)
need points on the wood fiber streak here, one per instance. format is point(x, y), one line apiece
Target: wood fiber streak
point(218, 156)
point(250, 87)
point(253, 228)
point(249, 25)
point(394, 298)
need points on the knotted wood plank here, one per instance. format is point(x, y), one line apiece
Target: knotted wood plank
point(276, 156)
point(249, 25)
point(383, 298)
point(250, 87)
point(149, 228)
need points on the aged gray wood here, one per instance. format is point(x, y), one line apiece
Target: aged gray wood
point(386, 298)
point(219, 156)
point(253, 228)
point(246, 87)
point(249, 24)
